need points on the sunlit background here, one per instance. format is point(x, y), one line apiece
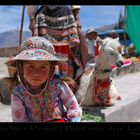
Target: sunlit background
point(91, 16)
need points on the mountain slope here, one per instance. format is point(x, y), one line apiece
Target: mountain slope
point(11, 38)
point(105, 28)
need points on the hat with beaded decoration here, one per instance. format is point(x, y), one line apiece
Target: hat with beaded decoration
point(36, 48)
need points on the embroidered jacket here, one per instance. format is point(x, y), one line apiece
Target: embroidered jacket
point(51, 104)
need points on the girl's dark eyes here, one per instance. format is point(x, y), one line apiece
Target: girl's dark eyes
point(43, 67)
point(31, 67)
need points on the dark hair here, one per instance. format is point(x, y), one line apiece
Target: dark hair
point(114, 35)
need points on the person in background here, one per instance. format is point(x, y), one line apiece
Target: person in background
point(115, 35)
point(131, 52)
point(93, 44)
point(41, 95)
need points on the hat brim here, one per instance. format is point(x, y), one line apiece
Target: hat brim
point(91, 32)
point(36, 55)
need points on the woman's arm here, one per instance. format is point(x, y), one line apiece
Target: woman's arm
point(31, 11)
point(18, 110)
point(76, 13)
point(83, 42)
point(74, 112)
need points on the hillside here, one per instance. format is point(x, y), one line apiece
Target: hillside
point(105, 27)
point(11, 38)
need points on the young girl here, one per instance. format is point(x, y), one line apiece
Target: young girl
point(41, 95)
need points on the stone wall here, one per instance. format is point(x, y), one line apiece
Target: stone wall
point(6, 52)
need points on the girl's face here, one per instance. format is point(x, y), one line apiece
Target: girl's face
point(36, 72)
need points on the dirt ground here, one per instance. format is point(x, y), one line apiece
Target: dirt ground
point(3, 67)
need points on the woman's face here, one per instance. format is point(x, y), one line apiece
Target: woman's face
point(36, 72)
point(92, 35)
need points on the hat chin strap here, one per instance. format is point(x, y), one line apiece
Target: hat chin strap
point(51, 72)
point(25, 83)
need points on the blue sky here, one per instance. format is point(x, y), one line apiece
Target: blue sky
point(91, 16)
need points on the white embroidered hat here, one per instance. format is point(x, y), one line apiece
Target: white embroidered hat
point(37, 48)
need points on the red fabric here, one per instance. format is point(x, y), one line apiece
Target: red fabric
point(102, 87)
point(62, 49)
point(97, 49)
point(126, 63)
point(113, 67)
point(118, 98)
point(58, 120)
